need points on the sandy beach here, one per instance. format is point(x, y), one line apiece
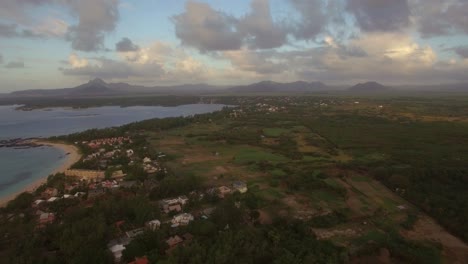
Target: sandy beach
point(73, 156)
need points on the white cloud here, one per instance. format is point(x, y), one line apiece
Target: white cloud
point(77, 62)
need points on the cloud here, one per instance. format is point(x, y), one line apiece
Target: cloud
point(259, 28)
point(101, 68)
point(206, 29)
point(462, 52)
point(77, 62)
point(312, 18)
point(15, 65)
point(126, 45)
point(12, 31)
point(95, 19)
point(52, 27)
point(255, 61)
point(437, 18)
point(380, 15)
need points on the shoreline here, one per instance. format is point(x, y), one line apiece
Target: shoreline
point(73, 157)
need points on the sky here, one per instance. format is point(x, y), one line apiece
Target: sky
point(63, 43)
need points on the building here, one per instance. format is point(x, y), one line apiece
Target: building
point(240, 186)
point(46, 218)
point(118, 175)
point(174, 241)
point(86, 174)
point(173, 204)
point(181, 219)
point(134, 233)
point(53, 199)
point(153, 225)
point(130, 152)
point(223, 190)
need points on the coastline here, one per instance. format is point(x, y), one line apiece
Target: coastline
point(73, 157)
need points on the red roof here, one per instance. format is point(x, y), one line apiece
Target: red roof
point(143, 260)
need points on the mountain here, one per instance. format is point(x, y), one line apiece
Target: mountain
point(93, 87)
point(272, 87)
point(98, 87)
point(369, 87)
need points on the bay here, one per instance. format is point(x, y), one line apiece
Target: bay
point(20, 168)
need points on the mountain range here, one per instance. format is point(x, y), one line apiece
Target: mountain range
point(98, 87)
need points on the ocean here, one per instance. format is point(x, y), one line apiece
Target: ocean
point(22, 167)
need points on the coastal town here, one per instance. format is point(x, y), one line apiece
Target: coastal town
point(107, 171)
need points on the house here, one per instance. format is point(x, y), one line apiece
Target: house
point(53, 199)
point(181, 219)
point(240, 186)
point(38, 202)
point(117, 247)
point(223, 190)
point(173, 204)
point(109, 184)
point(174, 241)
point(66, 196)
point(143, 260)
point(78, 194)
point(153, 225)
point(134, 233)
point(49, 192)
point(118, 175)
point(146, 160)
point(46, 218)
point(130, 152)
point(86, 174)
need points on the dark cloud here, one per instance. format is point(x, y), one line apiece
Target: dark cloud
point(437, 19)
point(260, 29)
point(96, 18)
point(126, 45)
point(380, 15)
point(204, 28)
point(353, 51)
point(312, 18)
point(12, 31)
point(462, 51)
point(15, 65)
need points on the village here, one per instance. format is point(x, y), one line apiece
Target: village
point(89, 185)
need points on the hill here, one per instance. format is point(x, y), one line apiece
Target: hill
point(275, 87)
point(369, 87)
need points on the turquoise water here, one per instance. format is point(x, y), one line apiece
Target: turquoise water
point(20, 168)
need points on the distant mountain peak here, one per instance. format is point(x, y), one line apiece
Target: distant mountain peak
point(97, 81)
point(271, 86)
point(369, 87)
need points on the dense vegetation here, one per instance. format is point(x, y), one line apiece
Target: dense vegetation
point(310, 165)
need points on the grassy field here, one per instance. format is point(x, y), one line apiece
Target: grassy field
point(317, 165)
